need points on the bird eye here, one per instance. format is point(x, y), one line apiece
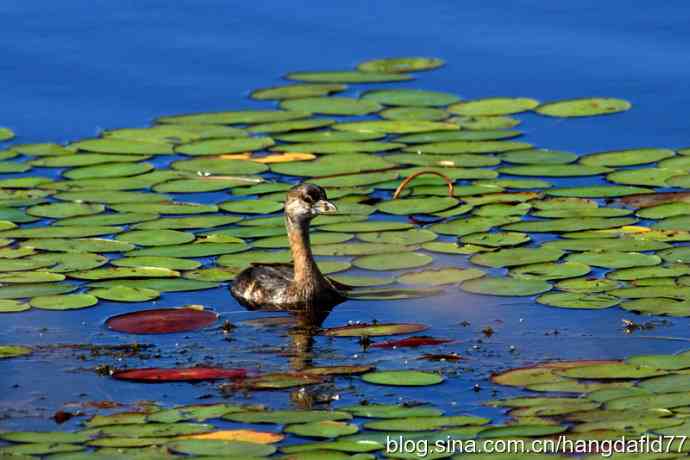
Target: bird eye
point(309, 199)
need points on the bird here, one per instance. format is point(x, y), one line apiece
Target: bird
point(298, 287)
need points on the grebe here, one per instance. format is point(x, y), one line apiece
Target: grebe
point(298, 287)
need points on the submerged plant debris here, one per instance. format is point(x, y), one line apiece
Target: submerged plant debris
point(188, 202)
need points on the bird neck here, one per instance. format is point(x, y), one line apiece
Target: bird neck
point(306, 271)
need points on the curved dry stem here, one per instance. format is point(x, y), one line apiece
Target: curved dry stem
point(410, 178)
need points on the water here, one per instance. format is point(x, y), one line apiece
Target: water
point(70, 69)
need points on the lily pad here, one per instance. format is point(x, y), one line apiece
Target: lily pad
point(220, 448)
point(538, 157)
point(555, 170)
point(208, 166)
point(124, 272)
point(293, 125)
point(578, 300)
point(414, 113)
point(396, 261)
point(30, 277)
point(111, 197)
point(400, 64)
point(587, 285)
point(517, 256)
point(653, 177)
point(386, 411)
point(118, 218)
point(409, 237)
point(12, 351)
point(403, 378)
point(583, 107)
point(63, 302)
point(333, 165)
point(410, 97)
point(198, 249)
point(199, 184)
point(60, 232)
point(296, 91)
point(456, 147)
point(614, 259)
point(394, 126)
point(162, 321)
point(233, 118)
point(224, 146)
point(338, 147)
point(424, 423)
point(493, 106)
point(108, 170)
point(497, 239)
point(287, 417)
point(169, 207)
point(332, 105)
point(571, 224)
point(256, 206)
point(610, 371)
point(626, 157)
point(374, 330)
point(78, 245)
point(408, 206)
point(328, 136)
point(505, 286)
point(160, 284)
point(322, 429)
point(550, 271)
point(13, 306)
point(21, 291)
point(122, 146)
point(192, 374)
point(346, 76)
point(125, 294)
point(441, 276)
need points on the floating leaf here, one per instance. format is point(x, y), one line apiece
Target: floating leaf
point(555, 170)
point(224, 146)
point(119, 218)
point(160, 237)
point(414, 113)
point(162, 321)
point(151, 430)
point(587, 285)
point(374, 330)
point(653, 177)
point(328, 136)
point(509, 431)
point(169, 207)
point(122, 146)
point(493, 106)
point(111, 197)
point(392, 261)
point(160, 285)
point(296, 91)
point(401, 64)
point(517, 256)
point(108, 170)
point(550, 271)
point(578, 300)
point(78, 245)
point(287, 417)
point(424, 423)
point(280, 381)
point(571, 224)
point(191, 374)
point(610, 371)
point(199, 185)
point(172, 263)
point(60, 232)
point(322, 429)
point(199, 249)
point(538, 157)
point(124, 272)
point(414, 342)
point(607, 244)
point(125, 294)
point(346, 76)
point(497, 239)
point(251, 206)
point(583, 107)
point(364, 227)
point(456, 147)
point(505, 286)
point(332, 105)
point(386, 411)
point(613, 259)
point(63, 302)
point(626, 157)
point(441, 276)
point(206, 166)
point(13, 306)
point(28, 290)
point(338, 147)
point(30, 277)
point(12, 351)
point(394, 126)
point(231, 118)
point(403, 378)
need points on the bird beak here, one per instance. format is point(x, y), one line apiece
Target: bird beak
point(324, 207)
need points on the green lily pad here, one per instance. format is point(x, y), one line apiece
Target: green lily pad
point(60, 232)
point(395, 126)
point(215, 274)
point(462, 227)
point(38, 448)
point(233, 118)
point(332, 105)
point(393, 293)
point(582, 212)
point(447, 247)
point(374, 330)
point(386, 411)
point(448, 136)
point(124, 272)
point(554, 170)
point(653, 177)
point(287, 417)
point(666, 362)
point(15, 265)
point(228, 449)
point(7, 167)
point(86, 159)
point(293, 125)
point(63, 302)
point(78, 245)
point(346, 76)
point(172, 263)
point(401, 64)
point(509, 431)
point(441, 276)
point(570, 224)
point(414, 113)
point(119, 218)
point(578, 300)
point(63, 210)
point(175, 134)
point(333, 165)
point(44, 437)
point(357, 281)
point(296, 91)
point(108, 170)
point(364, 227)
point(257, 206)
point(6, 134)
point(403, 237)
point(538, 157)
point(607, 244)
point(224, 146)
point(657, 306)
point(583, 107)
point(322, 429)
point(21, 291)
point(190, 250)
point(30, 277)
point(125, 294)
point(665, 210)
point(160, 284)
point(199, 185)
point(159, 237)
point(679, 181)
point(315, 239)
point(505, 286)
point(409, 206)
point(13, 306)
point(355, 180)
point(208, 166)
point(497, 239)
point(614, 259)
point(517, 256)
point(626, 157)
point(122, 146)
point(328, 136)
point(485, 123)
point(152, 430)
point(396, 261)
point(403, 378)
point(410, 97)
point(338, 147)
point(359, 249)
point(111, 197)
point(587, 285)
point(470, 161)
point(550, 271)
point(424, 423)
point(610, 371)
point(12, 351)
point(168, 207)
point(607, 191)
point(187, 222)
point(493, 106)
point(456, 147)
point(659, 271)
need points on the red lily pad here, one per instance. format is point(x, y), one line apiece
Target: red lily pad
point(190, 374)
point(162, 321)
point(374, 330)
point(416, 341)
